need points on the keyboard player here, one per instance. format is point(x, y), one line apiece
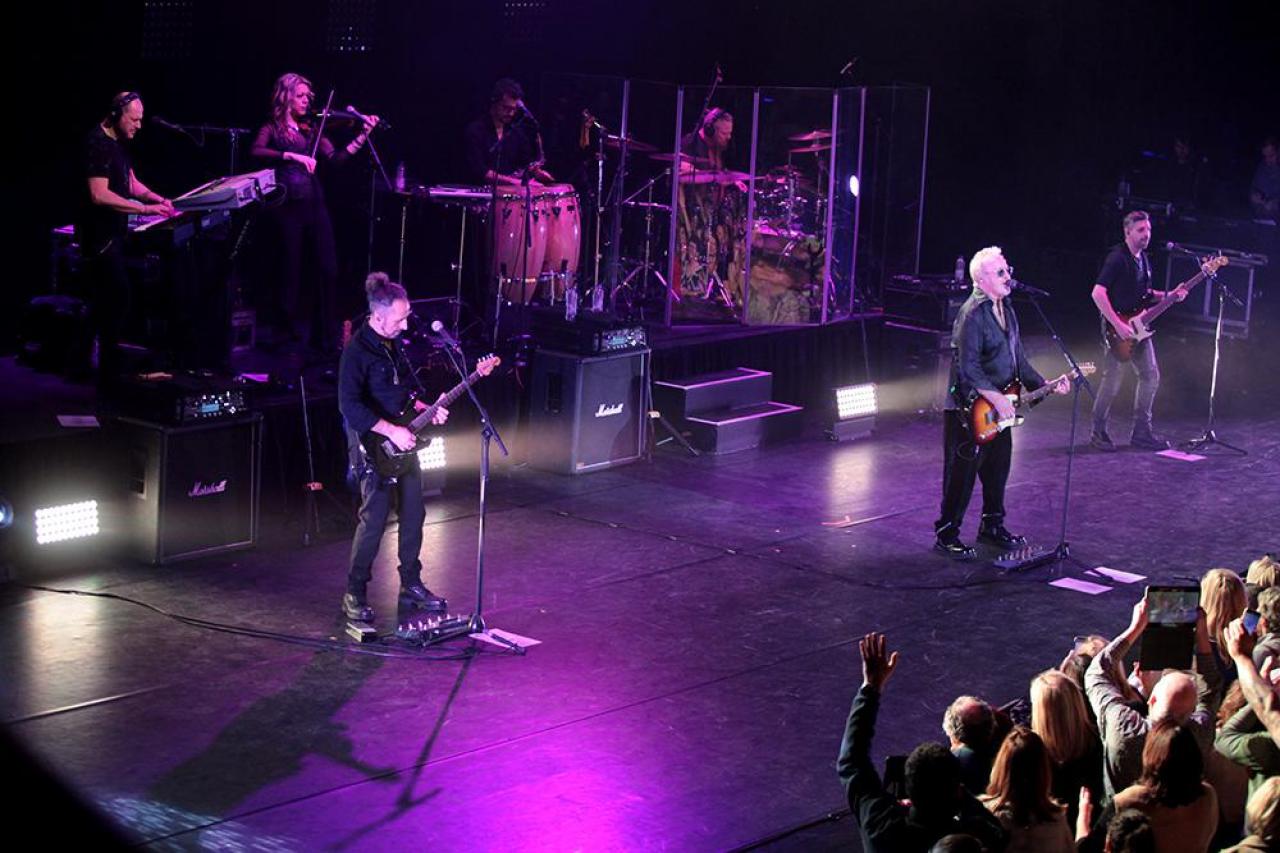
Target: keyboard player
point(113, 191)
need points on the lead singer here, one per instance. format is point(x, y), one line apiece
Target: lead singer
point(374, 387)
point(987, 355)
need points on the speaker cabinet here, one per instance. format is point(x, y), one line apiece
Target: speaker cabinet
point(190, 490)
point(586, 412)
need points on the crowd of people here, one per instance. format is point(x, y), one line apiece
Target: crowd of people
point(1100, 756)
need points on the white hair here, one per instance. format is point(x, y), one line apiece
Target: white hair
point(980, 258)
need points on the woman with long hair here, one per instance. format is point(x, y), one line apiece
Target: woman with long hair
point(292, 143)
point(1223, 599)
point(1183, 807)
point(1019, 796)
point(1060, 716)
point(1262, 820)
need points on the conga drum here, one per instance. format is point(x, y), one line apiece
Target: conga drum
point(560, 210)
point(517, 264)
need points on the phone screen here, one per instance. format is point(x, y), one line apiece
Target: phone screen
point(1251, 621)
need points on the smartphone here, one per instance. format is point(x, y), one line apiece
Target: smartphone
point(1251, 621)
point(1173, 605)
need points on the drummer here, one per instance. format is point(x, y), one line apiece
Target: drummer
point(504, 146)
point(709, 143)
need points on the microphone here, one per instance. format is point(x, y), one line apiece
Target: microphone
point(848, 66)
point(522, 108)
point(176, 128)
point(592, 120)
point(1028, 289)
point(443, 334)
point(1175, 247)
point(382, 123)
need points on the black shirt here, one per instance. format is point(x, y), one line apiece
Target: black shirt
point(1127, 279)
point(485, 153)
point(985, 356)
point(270, 146)
point(375, 380)
point(98, 225)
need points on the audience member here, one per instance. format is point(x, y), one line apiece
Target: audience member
point(1178, 696)
point(1183, 807)
point(1019, 796)
point(1060, 717)
point(1262, 820)
point(970, 724)
point(938, 806)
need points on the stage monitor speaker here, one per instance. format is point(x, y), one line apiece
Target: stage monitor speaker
point(586, 412)
point(190, 490)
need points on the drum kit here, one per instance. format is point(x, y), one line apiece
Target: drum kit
point(538, 229)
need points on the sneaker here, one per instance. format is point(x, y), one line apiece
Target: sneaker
point(1099, 440)
point(1148, 441)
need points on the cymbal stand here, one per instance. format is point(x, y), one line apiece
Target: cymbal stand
point(647, 267)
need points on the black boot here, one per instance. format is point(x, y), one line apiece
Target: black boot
point(356, 608)
point(418, 596)
point(948, 542)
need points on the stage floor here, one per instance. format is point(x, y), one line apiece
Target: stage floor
point(698, 622)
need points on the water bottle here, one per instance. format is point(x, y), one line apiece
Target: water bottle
point(960, 271)
point(571, 303)
point(400, 177)
point(597, 298)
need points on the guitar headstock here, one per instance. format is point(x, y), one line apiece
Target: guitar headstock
point(488, 364)
point(1212, 265)
point(1087, 368)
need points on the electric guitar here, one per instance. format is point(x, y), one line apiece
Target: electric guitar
point(1140, 322)
point(985, 424)
point(389, 460)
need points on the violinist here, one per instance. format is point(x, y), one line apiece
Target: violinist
point(293, 142)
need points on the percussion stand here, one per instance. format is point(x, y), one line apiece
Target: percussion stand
point(647, 268)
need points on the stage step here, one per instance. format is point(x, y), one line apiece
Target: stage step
point(709, 392)
point(742, 428)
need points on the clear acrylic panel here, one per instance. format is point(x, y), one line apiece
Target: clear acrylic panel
point(640, 278)
point(790, 213)
point(710, 204)
point(890, 209)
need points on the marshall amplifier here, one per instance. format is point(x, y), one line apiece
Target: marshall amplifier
point(585, 412)
point(189, 490)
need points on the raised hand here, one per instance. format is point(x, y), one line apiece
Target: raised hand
point(877, 664)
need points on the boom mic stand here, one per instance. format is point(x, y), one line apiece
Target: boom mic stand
point(1209, 437)
point(488, 433)
point(1030, 557)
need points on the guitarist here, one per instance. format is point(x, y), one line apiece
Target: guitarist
point(1124, 287)
point(987, 356)
point(375, 384)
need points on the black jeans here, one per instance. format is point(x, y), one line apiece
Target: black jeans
point(375, 506)
point(963, 462)
point(109, 296)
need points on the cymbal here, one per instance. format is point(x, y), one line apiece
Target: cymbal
point(633, 144)
point(811, 149)
point(811, 136)
point(726, 176)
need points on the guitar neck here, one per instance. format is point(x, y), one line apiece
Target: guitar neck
point(423, 418)
point(1164, 304)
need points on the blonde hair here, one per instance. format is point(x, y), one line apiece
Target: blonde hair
point(1059, 716)
point(1223, 597)
point(981, 257)
point(1262, 814)
point(286, 85)
point(1264, 572)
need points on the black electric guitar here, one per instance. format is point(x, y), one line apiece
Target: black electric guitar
point(389, 460)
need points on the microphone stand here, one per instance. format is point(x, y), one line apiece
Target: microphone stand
point(233, 137)
point(488, 433)
point(1062, 551)
point(1209, 437)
